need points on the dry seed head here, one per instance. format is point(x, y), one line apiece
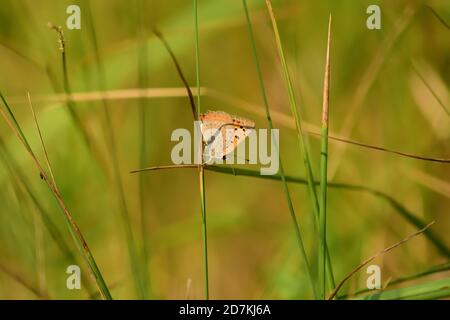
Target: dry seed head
point(59, 31)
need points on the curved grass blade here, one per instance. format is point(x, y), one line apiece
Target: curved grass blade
point(195, 112)
point(398, 207)
point(71, 107)
point(22, 186)
point(368, 260)
point(439, 244)
point(73, 227)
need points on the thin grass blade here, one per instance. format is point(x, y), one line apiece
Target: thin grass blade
point(297, 230)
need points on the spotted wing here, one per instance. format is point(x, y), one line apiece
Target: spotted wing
point(222, 133)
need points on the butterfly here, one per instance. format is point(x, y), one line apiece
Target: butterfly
point(222, 133)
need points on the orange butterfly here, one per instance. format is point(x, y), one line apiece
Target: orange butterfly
point(222, 133)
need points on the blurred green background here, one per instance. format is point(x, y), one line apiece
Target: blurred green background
point(380, 94)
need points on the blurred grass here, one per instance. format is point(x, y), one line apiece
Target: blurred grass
point(304, 148)
point(251, 247)
point(297, 231)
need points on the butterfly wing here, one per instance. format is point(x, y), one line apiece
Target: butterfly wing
point(222, 133)
point(213, 138)
point(235, 135)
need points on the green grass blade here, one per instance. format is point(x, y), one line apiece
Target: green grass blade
point(436, 289)
point(143, 106)
point(71, 106)
point(300, 133)
point(201, 170)
point(295, 113)
point(204, 230)
point(282, 175)
point(429, 271)
point(195, 112)
point(16, 124)
point(432, 270)
point(430, 88)
point(324, 171)
point(438, 243)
